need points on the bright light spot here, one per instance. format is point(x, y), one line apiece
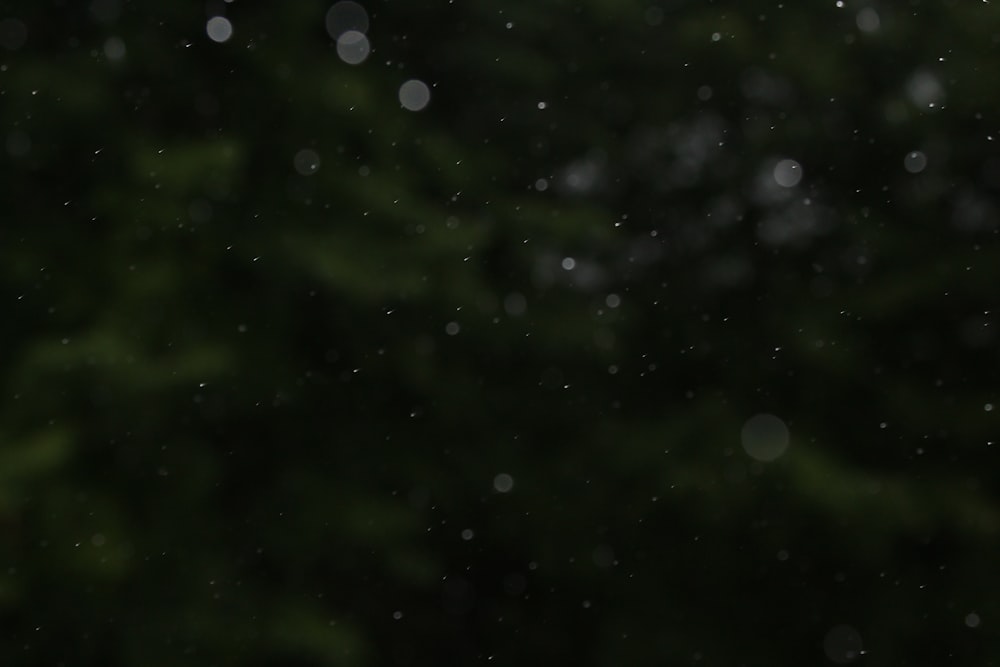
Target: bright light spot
point(972, 620)
point(716, 36)
point(914, 162)
point(396, 615)
point(765, 437)
point(842, 644)
point(613, 301)
point(503, 482)
point(468, 534)
point(568, 263)
point(414, 95)
point(219, 29)
point(868, 20)
point(353, 47)
point(788, 173)
point(542, 105)
point(114, 48)
point(306, 162)
point(345, 16)
point(541, 185)
point(988, 407)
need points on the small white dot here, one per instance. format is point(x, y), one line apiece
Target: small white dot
point(613, 300)
point(397, 615)
point(468, 534)
point(542, 105)
point(568, 263)
point(988, 407)
point(972, 620)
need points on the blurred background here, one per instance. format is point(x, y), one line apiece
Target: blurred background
point(593, 332)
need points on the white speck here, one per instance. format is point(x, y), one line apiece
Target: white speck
point(914, 162)
point(452, 328)
point(716, 36)
point(765, 437)
point(542, 105)
point(568, 263)
point(219, 29)
point(468, 534)
point(306, 162)
point(972, 620)
point(353, 47)
point(414, 95)
point(397, 615)
point(787, 173)
point(840, 3)
point(503, 482)
point(541, 185)
point(613, 300)
point(988, 407)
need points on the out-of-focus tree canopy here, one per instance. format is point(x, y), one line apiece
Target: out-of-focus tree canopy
point(604, 332)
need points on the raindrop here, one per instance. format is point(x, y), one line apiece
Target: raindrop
point(306, 162)
point(972, 620)
point(868, 20)
point(219, 29)
point(788, 173)
point(353, 47)
point(515, 304)
point(345, 16)
point(914, 162)
point(842, 644)
point(13, 34)
point(114, 48)
point(503, 482)
point(765, 437)
point(414, 95)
